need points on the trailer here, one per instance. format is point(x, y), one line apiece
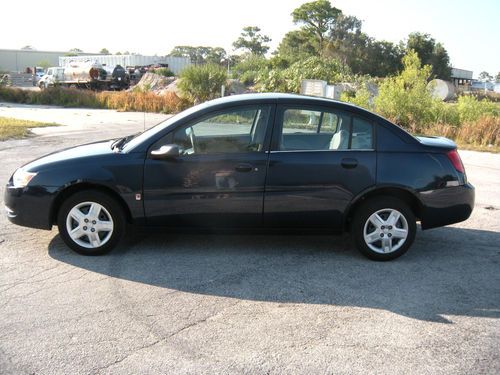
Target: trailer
point(174, 63)
point(86, 75)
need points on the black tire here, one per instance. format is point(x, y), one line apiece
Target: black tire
point(382, 205)
point(110, 212)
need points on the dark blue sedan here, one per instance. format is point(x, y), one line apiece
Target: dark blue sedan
point(272, 161)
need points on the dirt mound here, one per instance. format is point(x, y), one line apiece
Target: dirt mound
point(172, 87)
point(156, 83)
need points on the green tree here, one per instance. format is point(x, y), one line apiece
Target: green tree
point(216, 55)
point(347, 43)
point(73, 52)
point(497, 78)
point(201, 54)
point(430, 53)
point(104, 51)
point(201, 83)
point(252, 40)
point(44, 64)
point(383, 59)
point(248, 69)
point(297, 45)
point(186, 51)
point(327, 32)
point(316, 18)
point(485, 77)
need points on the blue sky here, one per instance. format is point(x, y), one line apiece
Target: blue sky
point(469, 30)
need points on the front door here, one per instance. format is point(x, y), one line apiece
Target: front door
point(321, 159)
point(218, 179)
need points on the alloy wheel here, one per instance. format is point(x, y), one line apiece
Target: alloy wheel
point(89, 224)
point(385, 231)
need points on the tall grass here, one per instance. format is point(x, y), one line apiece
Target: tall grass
point(483, 132)
point(119, 100)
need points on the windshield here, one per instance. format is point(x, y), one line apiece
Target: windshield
point(150, 133)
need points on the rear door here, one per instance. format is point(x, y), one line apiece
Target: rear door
point(321, 157)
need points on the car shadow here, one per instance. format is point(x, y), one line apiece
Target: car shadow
point(448, 272)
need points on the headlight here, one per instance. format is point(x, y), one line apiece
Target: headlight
point(22, 178)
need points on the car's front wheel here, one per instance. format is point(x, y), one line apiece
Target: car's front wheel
point(91, 222)
point(383, 228)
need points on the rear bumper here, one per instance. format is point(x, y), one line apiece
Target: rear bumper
point(446, 206)
point(29, 206)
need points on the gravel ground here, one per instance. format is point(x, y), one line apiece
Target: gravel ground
point(254, 304)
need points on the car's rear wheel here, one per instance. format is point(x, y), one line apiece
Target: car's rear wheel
point(91, 222)
point(383, 228)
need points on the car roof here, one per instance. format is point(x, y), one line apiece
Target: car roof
point(281, 97)
point(275, 96)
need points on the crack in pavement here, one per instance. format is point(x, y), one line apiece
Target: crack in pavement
point(164, 339)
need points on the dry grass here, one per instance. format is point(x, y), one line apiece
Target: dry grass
point(482, 133)
point(121, 101)
point(14, 128)
point(141, 101)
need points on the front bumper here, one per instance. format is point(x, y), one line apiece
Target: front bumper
point(29, 206)
point(446, 206)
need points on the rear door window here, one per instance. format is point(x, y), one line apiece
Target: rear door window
point(305, 129)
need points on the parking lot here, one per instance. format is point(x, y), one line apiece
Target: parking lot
point(256, 304)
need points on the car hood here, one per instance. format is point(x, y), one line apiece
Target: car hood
point(87, 151)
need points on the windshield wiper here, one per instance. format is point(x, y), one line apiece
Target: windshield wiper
point(119, 143)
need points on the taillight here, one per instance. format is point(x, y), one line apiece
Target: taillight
point(456, 161)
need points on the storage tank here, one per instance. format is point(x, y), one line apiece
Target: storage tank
point(84, 72)
point(441, 89)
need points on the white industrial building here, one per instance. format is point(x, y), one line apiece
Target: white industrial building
point(18, 60)
point(461, 77)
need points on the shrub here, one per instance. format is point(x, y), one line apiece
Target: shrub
point(405, 98)
point(165, 72)
point(201, 83)
point(471, 109)
point(289, 79)
point(362, 97)
point(249, 69)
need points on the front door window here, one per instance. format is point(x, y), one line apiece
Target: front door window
point(233, 131)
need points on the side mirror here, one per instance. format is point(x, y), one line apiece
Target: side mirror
point(166, 152)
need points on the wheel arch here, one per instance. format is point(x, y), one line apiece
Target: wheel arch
point(82, 186)
point(405, 194)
